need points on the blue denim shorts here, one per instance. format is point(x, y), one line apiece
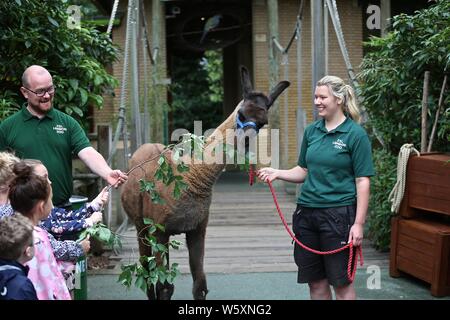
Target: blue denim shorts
point(323, 229)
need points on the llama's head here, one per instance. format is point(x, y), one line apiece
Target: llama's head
point(254, 110)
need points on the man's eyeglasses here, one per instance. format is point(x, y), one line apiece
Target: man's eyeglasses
point(42, 92)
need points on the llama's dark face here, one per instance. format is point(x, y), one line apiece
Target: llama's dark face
point(253, 113)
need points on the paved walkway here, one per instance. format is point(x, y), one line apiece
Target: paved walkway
point(249, 254)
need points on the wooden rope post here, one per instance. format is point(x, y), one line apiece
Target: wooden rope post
point(423, 140)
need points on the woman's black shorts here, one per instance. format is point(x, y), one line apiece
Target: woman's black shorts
point(322, 229)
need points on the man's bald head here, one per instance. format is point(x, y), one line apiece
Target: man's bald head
point(38, 90)
point(31, 71)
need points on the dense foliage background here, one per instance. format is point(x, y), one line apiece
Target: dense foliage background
point(392, 86)
point(37, 32)
point(197, 91)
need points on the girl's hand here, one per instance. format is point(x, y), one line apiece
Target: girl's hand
point(86, 244)
point(99, 202)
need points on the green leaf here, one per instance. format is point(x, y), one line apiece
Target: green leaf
point(125, 278)
point(162, 277)
point(160, 227)
point(78, 111)
point(141, 283)
point(182, 168)
point(96, 99)
point(53, 21)
point(152, 229)
point(84, 96)
point(161, 247)
point(74, 84)
point(104, 234)
point(98, 80)
point(153, 277)
point(148, 221)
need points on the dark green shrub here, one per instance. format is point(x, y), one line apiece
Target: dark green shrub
point(379, 217)
point(37, 32)
point(392, 77)
point(391, 89)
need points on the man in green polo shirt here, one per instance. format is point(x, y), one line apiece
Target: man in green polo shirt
point(335, 164)
point(39, 131)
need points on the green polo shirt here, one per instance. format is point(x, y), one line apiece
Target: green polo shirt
point(333, 159)
point(52, 139)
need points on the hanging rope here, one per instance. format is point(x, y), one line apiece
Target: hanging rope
point(144, 22)
point(285, 62)
point(113, 16)
point(121, 124)
point(334, 14)
point(332, 7)
point(397, 192)
point(354, 252)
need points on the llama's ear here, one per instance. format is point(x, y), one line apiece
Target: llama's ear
point(245, 81)
point(276, 91)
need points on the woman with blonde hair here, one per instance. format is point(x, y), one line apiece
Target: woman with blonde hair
point(335, 165)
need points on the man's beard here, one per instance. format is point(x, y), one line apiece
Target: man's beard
point(37, 108)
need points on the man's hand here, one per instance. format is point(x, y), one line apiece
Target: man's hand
point(116, 178)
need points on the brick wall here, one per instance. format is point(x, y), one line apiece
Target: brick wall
point(109, 113)
point(350, 16)
point(351, 20)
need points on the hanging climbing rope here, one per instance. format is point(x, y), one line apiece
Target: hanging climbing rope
point(113, 16)
point(121, 124)
point(398, 191)
point(285, 62)
point(334, 14)
point(332, 8)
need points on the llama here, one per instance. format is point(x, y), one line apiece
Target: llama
point(189, 214)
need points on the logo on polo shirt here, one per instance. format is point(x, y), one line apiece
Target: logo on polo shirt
point(59, 129)
point(339, 144)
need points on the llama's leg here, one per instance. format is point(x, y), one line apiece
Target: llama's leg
point(145, 250)
point(163, 291)
point(196, 245)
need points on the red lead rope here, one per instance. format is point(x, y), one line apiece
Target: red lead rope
point(251, 174)
point(358, 250)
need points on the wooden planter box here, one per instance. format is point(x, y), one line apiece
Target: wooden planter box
point(427, 185)
point(420, 237)
point(421, 248)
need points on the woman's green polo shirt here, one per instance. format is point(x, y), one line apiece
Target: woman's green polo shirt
point(333, 159)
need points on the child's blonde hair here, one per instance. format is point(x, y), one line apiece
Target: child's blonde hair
point(345, 92)
point(7, 160)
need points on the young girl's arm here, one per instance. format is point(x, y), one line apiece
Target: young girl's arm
point(67, 250)
point(62, 221)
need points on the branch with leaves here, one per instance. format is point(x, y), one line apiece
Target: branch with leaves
point(165, 172)
point(149, 270)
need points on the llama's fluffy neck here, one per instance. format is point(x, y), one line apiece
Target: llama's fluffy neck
point(202, 176)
